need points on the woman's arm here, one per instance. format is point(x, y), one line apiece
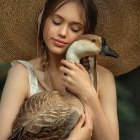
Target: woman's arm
point(102, 105)
point(14, 93)
point(83, 129)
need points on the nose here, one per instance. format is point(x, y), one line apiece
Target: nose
point(63, 31)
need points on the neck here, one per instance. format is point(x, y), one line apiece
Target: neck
point(55, 61)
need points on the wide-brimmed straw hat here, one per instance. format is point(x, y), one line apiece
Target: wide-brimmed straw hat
point(118, 22)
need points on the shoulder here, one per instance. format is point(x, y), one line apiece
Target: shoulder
point(17, 69)
point(104, 73)
point(106, 79)
point(17, 79)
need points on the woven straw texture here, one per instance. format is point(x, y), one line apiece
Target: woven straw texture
point(118, 22)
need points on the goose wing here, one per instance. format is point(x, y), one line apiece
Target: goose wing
point(44, 115)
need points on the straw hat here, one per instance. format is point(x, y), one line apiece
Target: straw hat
point(119, 22)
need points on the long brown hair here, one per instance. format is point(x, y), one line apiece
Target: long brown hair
point(53, 5)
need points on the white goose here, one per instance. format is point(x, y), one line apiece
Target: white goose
point(51, 115)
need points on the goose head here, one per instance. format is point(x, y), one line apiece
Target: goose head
point(88, 45)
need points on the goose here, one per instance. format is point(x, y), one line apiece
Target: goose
point(50, 115)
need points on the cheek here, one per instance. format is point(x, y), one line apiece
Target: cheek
point(74, 36)
point(48, 30)
point(45, 32)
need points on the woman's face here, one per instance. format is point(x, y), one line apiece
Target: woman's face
point(64, 27)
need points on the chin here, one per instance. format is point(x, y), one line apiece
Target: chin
point(58, 51)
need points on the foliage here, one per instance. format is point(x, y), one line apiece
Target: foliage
point(3, 69)
point(3, 73)
point(128, 104)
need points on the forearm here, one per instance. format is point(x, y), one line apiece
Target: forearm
point(5, 127)
point(4, 133)
point(102, 128)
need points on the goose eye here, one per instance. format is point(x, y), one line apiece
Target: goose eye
point(93, 40)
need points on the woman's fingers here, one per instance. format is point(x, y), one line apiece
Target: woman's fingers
point(68, 64)
point(88, 121)
point(67, 67)
point(66, 79)
point(88, 118)
point(65, 70)
point(80, 66)
point(81, 121)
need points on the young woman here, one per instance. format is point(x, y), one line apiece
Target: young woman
point(63, 21)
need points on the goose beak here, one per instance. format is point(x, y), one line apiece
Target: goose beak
point(106, 51)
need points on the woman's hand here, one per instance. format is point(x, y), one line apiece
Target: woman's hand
point(84, 128)
point(77, 80)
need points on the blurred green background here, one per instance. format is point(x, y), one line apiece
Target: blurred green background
point(128, 101)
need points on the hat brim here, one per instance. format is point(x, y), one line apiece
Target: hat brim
point(118, 22)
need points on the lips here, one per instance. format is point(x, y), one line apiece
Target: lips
point(59, 43)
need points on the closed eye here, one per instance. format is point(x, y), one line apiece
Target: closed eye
point(75, 30)
point(76, 27)
point(56, 22)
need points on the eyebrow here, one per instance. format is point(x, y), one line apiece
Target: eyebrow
point(75, 22)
